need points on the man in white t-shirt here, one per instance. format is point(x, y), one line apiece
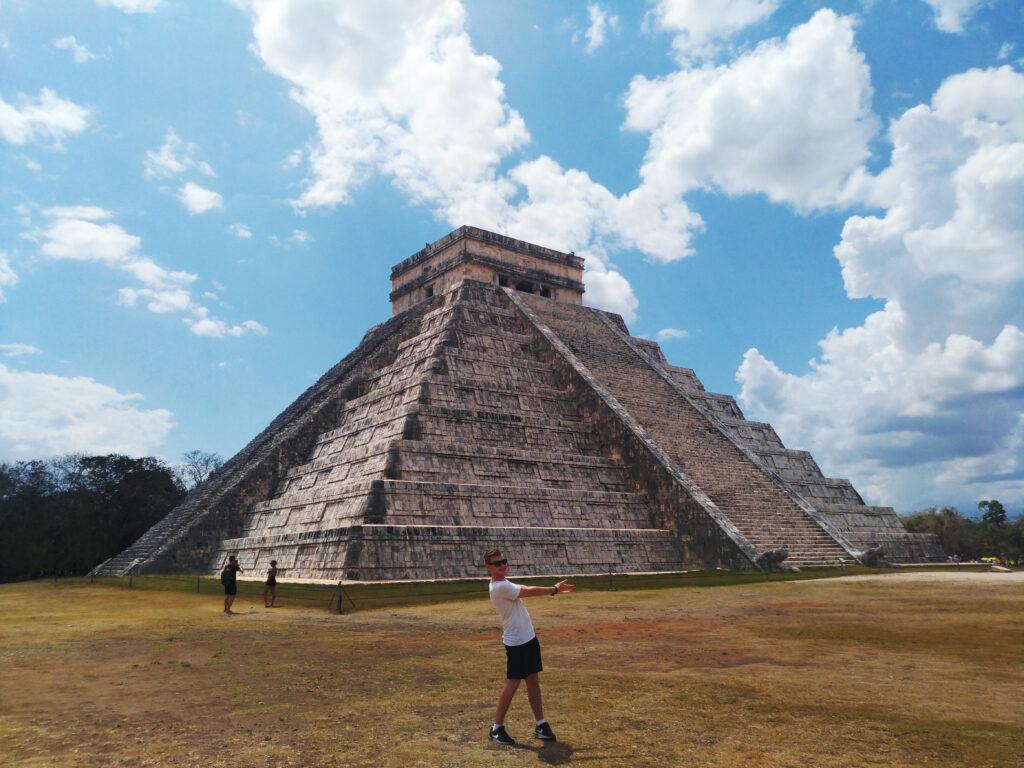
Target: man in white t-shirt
point(522, 649)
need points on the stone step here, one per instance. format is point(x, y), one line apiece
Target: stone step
point(420, 502)
point(406, 367)
point(757, 435)
point(461, 393)
point(491, 339)
point(489, 306)
point(722, 406)
point(381, 400)
point(469, 462)
point(827, 491)
point(493, 427)
point(546, 391)
point(471, 363)
point(459, 462)
point(378, 428)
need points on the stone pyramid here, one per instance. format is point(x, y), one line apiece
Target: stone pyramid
point(494, 409)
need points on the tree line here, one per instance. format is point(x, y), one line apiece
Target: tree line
point(65, 515)
point(992, 534)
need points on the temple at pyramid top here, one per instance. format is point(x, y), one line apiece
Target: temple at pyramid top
point(476, 254)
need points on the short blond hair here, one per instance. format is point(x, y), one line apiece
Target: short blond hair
point(489, 554)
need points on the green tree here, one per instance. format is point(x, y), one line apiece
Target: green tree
point(957, 534)
point(994, 527)
point(1014, 539)
point(65, 515)
point(992, 513)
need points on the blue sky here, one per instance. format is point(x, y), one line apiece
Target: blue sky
point(818, 207)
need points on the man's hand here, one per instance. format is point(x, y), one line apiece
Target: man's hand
point(560, 587)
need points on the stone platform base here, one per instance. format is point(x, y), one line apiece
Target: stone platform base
point(869, 527)
point(388, 552)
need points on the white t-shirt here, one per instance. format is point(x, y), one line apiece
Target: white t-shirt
point(515, 621)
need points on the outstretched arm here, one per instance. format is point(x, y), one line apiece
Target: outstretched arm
point(560, 588)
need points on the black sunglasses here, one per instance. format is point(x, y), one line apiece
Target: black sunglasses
point(498, 563)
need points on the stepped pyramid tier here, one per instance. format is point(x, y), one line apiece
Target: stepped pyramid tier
point(494, 410)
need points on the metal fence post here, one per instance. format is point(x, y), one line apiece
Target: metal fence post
point(197, 583)
point(130, 577)
point(338, 595)
point(611, 580)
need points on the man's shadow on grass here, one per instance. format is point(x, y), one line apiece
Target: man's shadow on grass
point(552, 752)
point(557, 753)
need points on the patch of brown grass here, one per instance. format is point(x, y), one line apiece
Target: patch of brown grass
point(779, 674)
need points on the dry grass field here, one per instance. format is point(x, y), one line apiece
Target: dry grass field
point(888, 671)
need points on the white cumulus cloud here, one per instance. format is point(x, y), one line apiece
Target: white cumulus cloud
point(84, 212)
point(671, 334)
point(950, 15)
point(932, 385)
point(47, 116)
point(601, 23)
point(240, 231)
point(205, 325)
point(79, 51)
point(701, 26)
point(173, 158)
point(395, 86)
point(79, 239)
point(84, 233)
point(198, 199)
point(42, 415)
point(8, 277)
point(791, 119)
point(19, 350)
point(131, 6)
point(397, 89)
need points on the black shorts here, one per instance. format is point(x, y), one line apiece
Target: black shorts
point(523, 660)
point(230, 589)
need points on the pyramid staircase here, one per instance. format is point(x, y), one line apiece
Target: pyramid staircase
point(762, 509)
point(834, 500)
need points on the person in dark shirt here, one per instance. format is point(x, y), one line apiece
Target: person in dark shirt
point(228, 577)
point(270, 585)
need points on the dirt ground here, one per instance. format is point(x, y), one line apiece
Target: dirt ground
point(903, 670)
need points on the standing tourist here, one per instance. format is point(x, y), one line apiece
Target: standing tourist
point(228, 577)
point(522, 649)
point(270, 585)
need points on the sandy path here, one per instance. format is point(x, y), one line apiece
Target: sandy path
point(1015, 578)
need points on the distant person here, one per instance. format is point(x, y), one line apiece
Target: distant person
point(228, 577)
point(270, 585)
point(522, 649)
